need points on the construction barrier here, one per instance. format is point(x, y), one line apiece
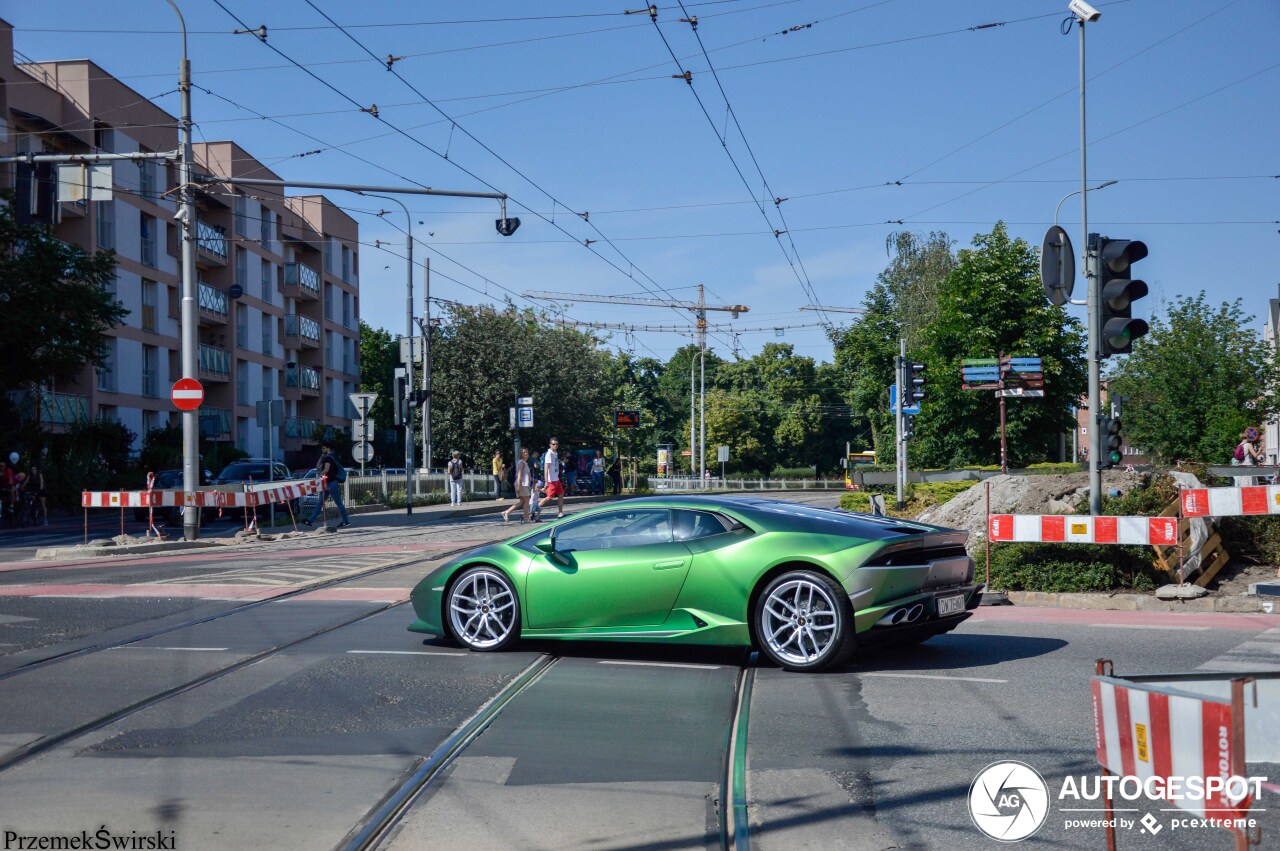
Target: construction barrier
point(1231, 502)
point(1082, 529)
point(252, 496)
point(1182, 738)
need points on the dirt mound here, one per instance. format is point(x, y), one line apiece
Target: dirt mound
point(1019, 495)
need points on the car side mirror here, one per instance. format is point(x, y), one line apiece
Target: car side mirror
point(547, 546)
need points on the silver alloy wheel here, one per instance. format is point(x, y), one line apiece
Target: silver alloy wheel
point(482, 609)
point(799, 621)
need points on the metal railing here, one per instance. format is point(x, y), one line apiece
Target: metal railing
point(378, 488)
point(301, 326)
point(303, 428)
point(214, 422)
point(299, 275)
point(302, 376)
point(731, 484)
point(63, 408)
point(215, 360)
point(213, 301)
point(211, 239)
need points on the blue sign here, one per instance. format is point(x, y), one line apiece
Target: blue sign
point(1026, 362)
point(893, 402)
point(524, 417)
point(235, 292)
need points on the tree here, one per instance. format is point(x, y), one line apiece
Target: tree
point(1196, 381)
point(635, 386)
point(57, 308)
point(992, 303)
point(379, 357)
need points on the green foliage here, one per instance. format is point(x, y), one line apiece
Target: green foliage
point(856, 501)
point(1196, 380)
point(161, 449)
point(1053, 468)
point(1070, 568)
point(1251, 539)
point(992, 303)
point(57, 309)
point(919, 497)
point(379, 357)
point(91, 455)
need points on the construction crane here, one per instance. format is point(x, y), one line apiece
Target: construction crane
point(699, 308)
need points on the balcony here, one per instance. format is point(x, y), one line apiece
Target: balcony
point(214, 305)
point(301, 281)
point(302, 429)
point(215, 363)
point(56, 409)
point(215, 423)
point(301, 331)
point(304, 378)
point(211, 240)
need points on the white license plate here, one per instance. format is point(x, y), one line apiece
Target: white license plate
point(952, 605)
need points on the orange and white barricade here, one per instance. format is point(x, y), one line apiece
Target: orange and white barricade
point(1082, 529)
point(1184, 739)
point(247, 496)
point(1230, 502)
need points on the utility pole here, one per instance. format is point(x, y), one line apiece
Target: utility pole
point(1091, 280)
point(426, 366)
point(900, 476)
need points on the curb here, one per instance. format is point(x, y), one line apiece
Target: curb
point(1238, 604)
point(52, 553)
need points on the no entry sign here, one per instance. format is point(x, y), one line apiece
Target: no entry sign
point(187, 394)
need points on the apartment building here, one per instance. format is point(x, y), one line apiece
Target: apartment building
point(293, 262)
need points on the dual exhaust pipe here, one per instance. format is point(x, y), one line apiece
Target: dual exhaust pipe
point(907, 614)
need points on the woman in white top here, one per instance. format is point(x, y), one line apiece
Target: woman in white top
point(522, 484)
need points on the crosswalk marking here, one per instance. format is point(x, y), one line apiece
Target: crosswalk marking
point(1259, 653)
point(294, 574)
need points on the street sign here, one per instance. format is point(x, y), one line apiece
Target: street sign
point(893, 402)
point(405, 344)
point(187, 394)
point(1057, 266)
point(524, 417)
point(362, 430)
point(525, 401)
point(271, 414)
point(626, 419)
point(362, 452)
point(1020, 392)
point(235, 292)
point(362, 402)
point(995, 386)
point(722, 454)
point(511, 413)
point(980, 362)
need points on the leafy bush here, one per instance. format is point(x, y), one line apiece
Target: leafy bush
point(1071, 568)
point(856, 501)
point(919, 497)
point(1056, 468)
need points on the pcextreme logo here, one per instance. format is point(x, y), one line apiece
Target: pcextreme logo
point(1008, 801)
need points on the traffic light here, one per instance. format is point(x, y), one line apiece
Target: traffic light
point(1117, 291)
point(399, 410)
point(908, 426)
point(1109, 428)
point(915, 383)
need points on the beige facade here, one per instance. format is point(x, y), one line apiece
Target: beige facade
point(293, 332)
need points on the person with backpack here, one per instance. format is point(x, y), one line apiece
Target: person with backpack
point(1247, 454)
point(455, 478)
point(332, 475)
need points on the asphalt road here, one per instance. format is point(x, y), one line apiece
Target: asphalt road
point(615, 746)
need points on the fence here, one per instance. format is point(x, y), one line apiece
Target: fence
point(362, 490)
point(684, 485)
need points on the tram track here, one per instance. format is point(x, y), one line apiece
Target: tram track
point(37, 664)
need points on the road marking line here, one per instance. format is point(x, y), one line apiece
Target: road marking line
point(931, 677)
point(149, 647)
point(1149, 626)
point(408, 652)
point(660, 665)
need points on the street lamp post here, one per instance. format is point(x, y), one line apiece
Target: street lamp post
point(189, 343)
point(408, 384)
point(1058, 208)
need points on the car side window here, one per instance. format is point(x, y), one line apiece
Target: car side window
point(613, 529)
point(692, 525)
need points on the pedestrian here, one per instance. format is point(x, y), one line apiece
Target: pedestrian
point(499, 474)
point(332, 475)
point(1248, 453)
point(597, 474)
point(615, 473)
point(535, 501)
point(8, 493)
point(522, 484)
point(551, 470)
point(34, 487)
point(569, 474)
point(455, 478)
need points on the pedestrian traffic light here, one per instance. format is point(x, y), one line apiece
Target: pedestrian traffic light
point(915, 383)
point(1117, 291)
point(1109, 429)
point(908, 426)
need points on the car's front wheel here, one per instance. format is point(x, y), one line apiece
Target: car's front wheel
point(804, 622)
point(483, 611)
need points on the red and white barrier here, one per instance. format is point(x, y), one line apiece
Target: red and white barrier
point(1082, 529)
point(1231, 502)
point(251, 497)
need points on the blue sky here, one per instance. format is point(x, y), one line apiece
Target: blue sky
point(858, 113)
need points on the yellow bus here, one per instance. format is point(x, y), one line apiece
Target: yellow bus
point(854, 460)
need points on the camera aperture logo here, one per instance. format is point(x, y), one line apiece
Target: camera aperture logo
point(1008, 801)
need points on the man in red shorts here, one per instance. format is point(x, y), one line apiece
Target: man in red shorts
point(551, 474)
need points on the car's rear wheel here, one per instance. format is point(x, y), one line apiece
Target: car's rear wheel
point(483, 610)
point(803, 621)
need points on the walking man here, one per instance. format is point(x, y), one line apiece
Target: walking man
point(597, 474)
point(332, 475)
point(551, 472)
point(455, 478)
point(499, 474)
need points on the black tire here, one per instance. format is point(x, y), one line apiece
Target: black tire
point(482, 609)
point(811, 604)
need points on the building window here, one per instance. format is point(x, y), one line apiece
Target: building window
point(150, 371)
point(242, 434)
point(147, 180)
point(150, 234)
point(150, 421)
point(149, 305)
point(242, 384)
point(264, 228)
point(242, 326)
point(242, 268)
point(107, 372)
point(242, 215)
point(104, 213)
point(267, 288)
point(267, 337)
point(346, 264)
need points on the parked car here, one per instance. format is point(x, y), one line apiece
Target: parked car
point(254, 470)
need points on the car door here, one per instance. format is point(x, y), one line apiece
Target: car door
point(620, 568)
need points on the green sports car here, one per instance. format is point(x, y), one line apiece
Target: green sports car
point(805, 585)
